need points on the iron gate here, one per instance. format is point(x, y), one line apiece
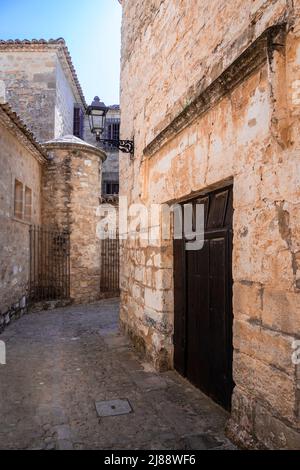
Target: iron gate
point(110, 270)
point(49, 264)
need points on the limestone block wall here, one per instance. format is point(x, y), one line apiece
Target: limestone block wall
point(16, 162)
point(243, 131)
point(41, 85)
point(64, 106)
point(57, 188)
point(71, 198)
point(30, 80)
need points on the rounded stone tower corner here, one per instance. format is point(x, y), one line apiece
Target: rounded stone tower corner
point(70, 142)
point(72, 183)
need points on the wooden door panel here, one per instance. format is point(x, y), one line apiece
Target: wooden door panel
point(217, 210)
point(203, 302)
point(217, 314)
point(197, 368)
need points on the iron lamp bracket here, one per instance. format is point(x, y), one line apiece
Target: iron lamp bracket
point(125, 146)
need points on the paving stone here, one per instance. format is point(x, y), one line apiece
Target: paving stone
point(50, 447)
point(201, 442)
point(62, 415)
point(64, 445)
point(113, 408)
point(116, 342)
point(63, 432)
point(150, 383)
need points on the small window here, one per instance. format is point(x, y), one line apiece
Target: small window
point(111, 188)
point(78, 123)
point(112, 131)
point(23, 202)
point(28, 204)
point(18, 209)
point(115, 188)
point(115, 131)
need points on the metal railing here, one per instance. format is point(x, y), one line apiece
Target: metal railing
point(49, 264)
point(110, 269)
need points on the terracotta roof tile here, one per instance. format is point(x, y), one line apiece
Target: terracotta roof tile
point(21, 126)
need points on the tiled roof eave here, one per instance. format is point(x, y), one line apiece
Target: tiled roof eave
point(14, 123)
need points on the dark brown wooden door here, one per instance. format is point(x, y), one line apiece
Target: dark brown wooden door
point(203, 302)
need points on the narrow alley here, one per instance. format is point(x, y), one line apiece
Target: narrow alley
point(61, 363)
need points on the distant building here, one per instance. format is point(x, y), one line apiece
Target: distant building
point(43, 88)
point(51, 181)
point(110, 175)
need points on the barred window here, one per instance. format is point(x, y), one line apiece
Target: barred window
point(22, 202)
point(112, 129)
point(111, 187)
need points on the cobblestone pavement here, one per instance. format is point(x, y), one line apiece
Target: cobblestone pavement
point(59, 363)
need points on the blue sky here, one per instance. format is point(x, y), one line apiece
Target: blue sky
point(91, 29)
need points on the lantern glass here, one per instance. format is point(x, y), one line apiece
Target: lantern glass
point(97, 116)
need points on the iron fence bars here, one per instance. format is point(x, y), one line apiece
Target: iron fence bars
point(110, 265)
point(49, 264)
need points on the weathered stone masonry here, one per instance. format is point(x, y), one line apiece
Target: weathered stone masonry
point(21, 158)
point(71, 197)
point(38, 78)
point(64, 176)
point(213, 98)
point(41, 85)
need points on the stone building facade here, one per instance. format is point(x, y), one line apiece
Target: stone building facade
point(210, 93)
point(41, 85)
point(110, 171)
point(55, 186)
point(22, 161)
point(38, 79)
point(43, 88)
point(64, 184)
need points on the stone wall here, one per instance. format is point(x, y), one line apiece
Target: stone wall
point(41, 85)
point(30, 80)
point(16, 162)
point(195, 132)
point(71, 198)
point(56, 193)
point(64, 107)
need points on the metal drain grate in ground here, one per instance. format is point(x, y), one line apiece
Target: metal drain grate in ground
point(113, 408)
